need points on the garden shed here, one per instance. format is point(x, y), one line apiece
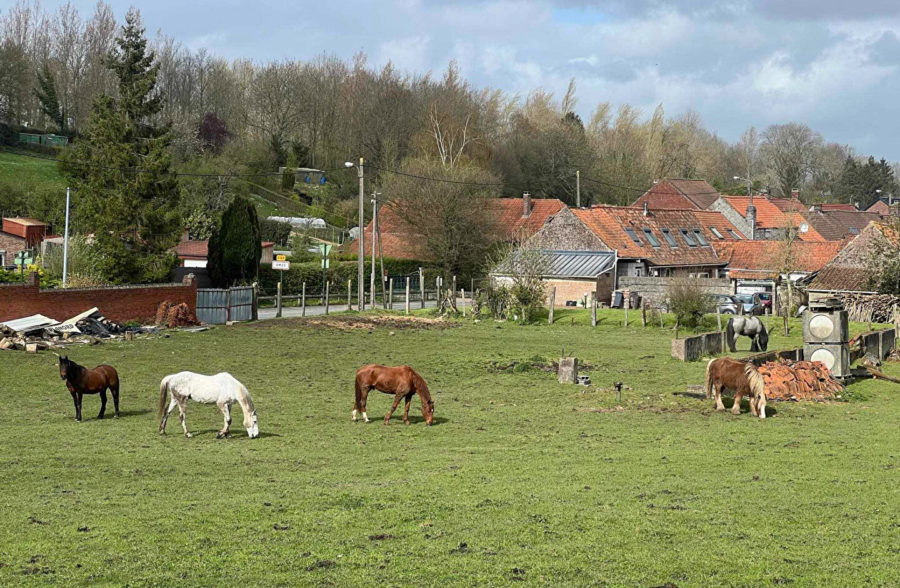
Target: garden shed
point(574, 274)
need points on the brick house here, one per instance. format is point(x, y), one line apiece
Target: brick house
point(837, 224)
point(885, 205)
point(20, 234)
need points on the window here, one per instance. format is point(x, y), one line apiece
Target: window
point(651, 237)
point(634, 237)
point(716, 232)
point(669, 239)
point(700, 238)
point(688, 237)
point(638, 272)
point(733, 234)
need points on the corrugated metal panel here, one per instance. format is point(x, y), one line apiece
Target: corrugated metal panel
point(30, 323)
point(216, 307)
point(566, 264)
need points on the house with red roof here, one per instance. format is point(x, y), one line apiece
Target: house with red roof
point(766, 266)
point(661, 243)
point(18, 235)
point(850, 271)
point(196, 253)
point(678, 194)
point(885, 205)
point(766, 218)
point(514, 220)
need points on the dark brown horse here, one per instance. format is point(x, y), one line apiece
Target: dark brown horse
point(401, 381)
point(81, 381)
point(740, 376)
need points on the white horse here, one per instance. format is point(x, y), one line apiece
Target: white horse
point(222, 389)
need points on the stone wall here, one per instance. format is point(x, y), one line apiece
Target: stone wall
point(565, 232)
point(655, 290)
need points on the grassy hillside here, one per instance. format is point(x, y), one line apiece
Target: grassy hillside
point(520, 479)
point(29, 171)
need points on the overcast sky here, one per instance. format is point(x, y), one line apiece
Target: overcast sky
point(832, 64)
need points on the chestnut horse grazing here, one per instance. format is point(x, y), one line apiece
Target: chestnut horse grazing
point(80, 381)
point(740, 376)
point(401, 381)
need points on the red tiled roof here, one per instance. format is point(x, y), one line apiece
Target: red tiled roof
point(401, 241)
point(198, 249)
point(881, 207)
point(848, 271)
point(755, 259)
point(679, 194)
point(775, 213)
point(838, 206)
point(609, 223)
point(835, 225)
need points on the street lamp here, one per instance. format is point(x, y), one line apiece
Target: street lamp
point(751, 210)
point(360, 286)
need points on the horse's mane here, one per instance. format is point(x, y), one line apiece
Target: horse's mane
point(421, 386)
point(755, 379)
point(245, 396)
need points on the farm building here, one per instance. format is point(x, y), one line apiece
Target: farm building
point(768, 218)
point(885, 205)
point(20, 234)
point(514, 219)
point(838, 224)
point(849, 271)
point(658, 243)
point(576, 275)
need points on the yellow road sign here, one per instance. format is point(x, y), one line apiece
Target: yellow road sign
point(281, 258)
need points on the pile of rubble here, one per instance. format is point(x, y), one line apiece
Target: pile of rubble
point(799, 380)
point(38, 332)
point(169, 314)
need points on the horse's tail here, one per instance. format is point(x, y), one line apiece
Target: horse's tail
point(709, 384)
point(729, 334)
point(756, 382)
point(763, 337)
point(163, 396)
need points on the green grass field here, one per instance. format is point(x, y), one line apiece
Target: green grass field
point(521, 480)
point(30, 171)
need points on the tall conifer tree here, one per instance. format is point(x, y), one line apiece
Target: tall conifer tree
point(125, 192)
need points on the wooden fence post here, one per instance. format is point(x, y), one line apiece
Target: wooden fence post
point(422, 285)
point(326, 297)
point(303, 301)
point(391, 294)
point(627, 304)
point(643, 312)
point(593, 311)
point(719, 317)
point(454, 292)
point(278, 301)
point(463, 293)
point(768, 312)
point(350, 294)
point(384, 298)
point(552, 303)
point(407, 294)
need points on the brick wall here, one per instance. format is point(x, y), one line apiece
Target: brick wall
point(121, 304)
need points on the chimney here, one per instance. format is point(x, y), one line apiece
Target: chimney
point(816, 208)
point(751, 220)
point(856, 205)
point(646, 210)
point(186, 235)
point(795, 193)
point(526, 204)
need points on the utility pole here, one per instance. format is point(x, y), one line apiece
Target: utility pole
point(66, 242)
point(375, 196)
point(361, 285)
point(577, 188)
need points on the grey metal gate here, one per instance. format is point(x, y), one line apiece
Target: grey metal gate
point(216, 307)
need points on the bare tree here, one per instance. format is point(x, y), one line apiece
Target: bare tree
point(790, 151)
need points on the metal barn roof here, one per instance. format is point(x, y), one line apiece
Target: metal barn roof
point(563, 264)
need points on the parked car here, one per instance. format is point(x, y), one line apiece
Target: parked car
point(750, 306)
point(763, 299)
point(726, 304)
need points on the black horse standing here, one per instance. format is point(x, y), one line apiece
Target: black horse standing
point(80, 381)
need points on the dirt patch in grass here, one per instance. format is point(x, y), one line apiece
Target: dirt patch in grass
point(354, 322)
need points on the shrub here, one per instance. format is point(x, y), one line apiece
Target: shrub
point(235, 245)
point(688, 301)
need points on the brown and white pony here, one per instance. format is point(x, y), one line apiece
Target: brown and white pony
point(401, 381)
point(739, 376)
point(80, 381)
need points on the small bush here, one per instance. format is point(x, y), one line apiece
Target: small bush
point(688, 301)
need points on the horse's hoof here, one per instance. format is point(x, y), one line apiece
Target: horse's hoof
point(188, 435)
point(99, 417)
point(220, 435)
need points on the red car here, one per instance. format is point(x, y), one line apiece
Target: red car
point(763, 299)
